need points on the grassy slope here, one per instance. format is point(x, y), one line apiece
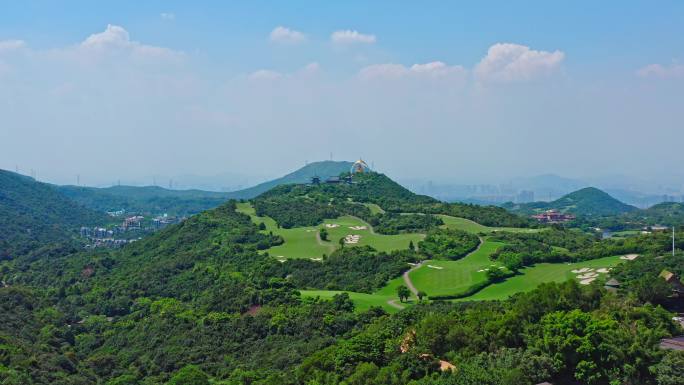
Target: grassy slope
point(474, 227)
point(532, 277)
point(455, 276)
point(301, 242)
point(364, 301)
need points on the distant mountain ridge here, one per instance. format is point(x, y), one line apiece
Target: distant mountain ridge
point(155, 199)
point(587, 202)
point(322, 169)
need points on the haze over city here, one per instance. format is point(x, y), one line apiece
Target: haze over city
point(459, 93)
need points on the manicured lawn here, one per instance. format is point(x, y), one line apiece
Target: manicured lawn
point(532, 277)
point(455, 276)
point(474, 227)
point(301, 242)
point(374, 209)
point(364, 301)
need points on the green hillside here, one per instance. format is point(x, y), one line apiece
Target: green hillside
point(205, 302)
point(588, 201)
point(666, 214)
point(308, 205)
point(34, 215)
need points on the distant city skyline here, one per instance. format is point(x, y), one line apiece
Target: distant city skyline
point(466, 93)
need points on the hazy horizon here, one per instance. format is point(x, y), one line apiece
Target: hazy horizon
point(449, 93)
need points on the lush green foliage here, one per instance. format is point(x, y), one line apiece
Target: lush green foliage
point(393, 223)
point(446, 243)
point(359, 269)
point(34, 216)
point(559, 245)
point(555, 333)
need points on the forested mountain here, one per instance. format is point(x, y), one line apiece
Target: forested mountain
point(34, 215)
point(588, 201)
point(155, 199)
point(198, 302)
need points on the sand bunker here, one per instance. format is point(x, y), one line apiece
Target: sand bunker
point(582, 270)
point(630, 257)
point(316, 259)
point(331, 225)
point(587, 281)
point(435, 267)
point(587, 275)
point(352, 239)
point(358, 227)
point(602, 270)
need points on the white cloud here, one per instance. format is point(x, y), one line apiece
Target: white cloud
point(348, 36)
point(437, 68)
point(116, 38)
point(674, 70)
point(507, 62)
point(167, 16)
point(11, 45)
point(286, 35)
point(391, 70)
point(265, 75)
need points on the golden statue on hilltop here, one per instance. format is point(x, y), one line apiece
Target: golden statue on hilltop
point(359, 167)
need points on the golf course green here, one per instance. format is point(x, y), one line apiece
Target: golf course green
point(304, 242)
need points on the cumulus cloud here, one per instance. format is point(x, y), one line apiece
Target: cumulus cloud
point(349, 36)
point(286, 35)
point(167, 16)
point(391, 70)
point(507, 62)
point(659, 71)
point(11, 45)
point(116, 38)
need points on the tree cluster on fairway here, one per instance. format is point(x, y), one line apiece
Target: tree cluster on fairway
point(403, 293)
point(448, 243)
point(359, 269)
point(394, 223)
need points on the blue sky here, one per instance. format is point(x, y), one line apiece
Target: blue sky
point(632, 32)
point(416, 80)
